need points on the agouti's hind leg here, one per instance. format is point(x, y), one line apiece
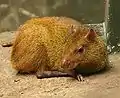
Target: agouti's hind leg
point(7, 44)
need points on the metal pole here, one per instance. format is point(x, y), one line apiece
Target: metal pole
point(112, 23)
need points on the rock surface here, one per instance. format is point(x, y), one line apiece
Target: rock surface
point(102, 85)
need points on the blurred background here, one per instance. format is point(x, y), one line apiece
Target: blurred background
point(103, 14)
point(15, 12)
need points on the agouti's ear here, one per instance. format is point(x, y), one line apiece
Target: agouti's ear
point(91, 35)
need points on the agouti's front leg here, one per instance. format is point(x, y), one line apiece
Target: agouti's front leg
point(49, 74)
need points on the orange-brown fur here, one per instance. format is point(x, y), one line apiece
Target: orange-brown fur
point(43, 44)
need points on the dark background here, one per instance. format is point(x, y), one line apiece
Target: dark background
point(15, 12)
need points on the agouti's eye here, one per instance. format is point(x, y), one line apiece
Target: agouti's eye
point(81, 49)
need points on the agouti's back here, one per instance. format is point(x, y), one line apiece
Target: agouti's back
point(57, 44)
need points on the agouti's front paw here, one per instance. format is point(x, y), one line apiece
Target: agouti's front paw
point(80, 77)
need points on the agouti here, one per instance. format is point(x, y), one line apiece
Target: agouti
point(57, 46)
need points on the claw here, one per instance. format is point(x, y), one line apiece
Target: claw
point(80, 77)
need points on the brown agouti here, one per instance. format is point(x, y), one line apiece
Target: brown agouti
point(57, 46)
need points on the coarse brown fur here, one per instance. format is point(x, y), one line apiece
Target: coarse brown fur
point(53, 44)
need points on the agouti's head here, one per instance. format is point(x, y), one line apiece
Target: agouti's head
point(85, 52)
